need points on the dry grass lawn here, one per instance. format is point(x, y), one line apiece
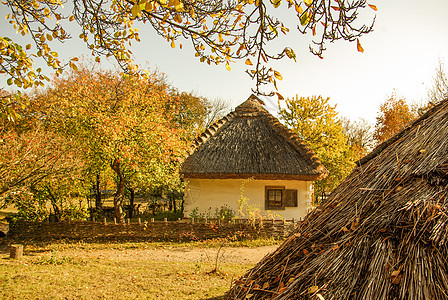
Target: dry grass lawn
point(126, 270)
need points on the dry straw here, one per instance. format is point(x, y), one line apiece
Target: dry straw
point(251, 143)
point(382, 234)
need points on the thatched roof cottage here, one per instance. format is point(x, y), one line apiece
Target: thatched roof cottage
point(249, 155)
point(382, 234)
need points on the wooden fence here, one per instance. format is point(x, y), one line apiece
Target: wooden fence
point(181, 230)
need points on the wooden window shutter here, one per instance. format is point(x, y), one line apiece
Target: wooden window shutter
point(290, 198)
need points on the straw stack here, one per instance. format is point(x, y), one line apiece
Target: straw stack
point(382, 234)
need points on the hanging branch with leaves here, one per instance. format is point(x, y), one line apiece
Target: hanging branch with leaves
point(221, 32)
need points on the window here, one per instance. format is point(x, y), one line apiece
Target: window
point(277, 198)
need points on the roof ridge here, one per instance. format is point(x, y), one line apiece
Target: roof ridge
point(211, 130)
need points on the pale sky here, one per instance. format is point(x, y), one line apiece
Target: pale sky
point(401, 53)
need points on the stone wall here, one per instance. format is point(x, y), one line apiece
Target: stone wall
point(182, 230)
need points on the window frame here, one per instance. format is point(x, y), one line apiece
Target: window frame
point(283, 204)
point(274, 207)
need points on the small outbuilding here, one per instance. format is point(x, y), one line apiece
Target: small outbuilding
point(249, 163)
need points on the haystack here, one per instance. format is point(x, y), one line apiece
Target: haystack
point(382, 234)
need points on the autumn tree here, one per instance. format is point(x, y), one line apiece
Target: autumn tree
point(30, 154)
point(393, 115)
point(120, 123)
point(219, 31)
point(318, 124)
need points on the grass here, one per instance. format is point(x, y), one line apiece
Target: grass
point(87, 279)
point(66, 270)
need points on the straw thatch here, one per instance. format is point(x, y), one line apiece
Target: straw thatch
point(382, 234)
point(250, 142)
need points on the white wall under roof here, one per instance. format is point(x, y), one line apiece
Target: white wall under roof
point(206, 195)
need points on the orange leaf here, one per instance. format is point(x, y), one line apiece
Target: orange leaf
point(248, 62)
point(278, 75)
point(335, 7)
point(305, 251)
point(373, 7)
point(358, 45)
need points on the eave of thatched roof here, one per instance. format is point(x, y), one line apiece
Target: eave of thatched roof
point(250, 142)
point(382, 234)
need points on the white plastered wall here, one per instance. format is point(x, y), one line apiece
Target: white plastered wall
point(206, 195)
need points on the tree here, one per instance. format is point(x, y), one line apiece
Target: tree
point(318, 124)
point(439, 88)
point(30, 155)
point(216, 109)
point(187, 111)
point(394, 114)
point(359, 136)
point(120, 123)
point(219, 31)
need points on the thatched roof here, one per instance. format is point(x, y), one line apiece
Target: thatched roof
point(382, 234)
point(250, 142)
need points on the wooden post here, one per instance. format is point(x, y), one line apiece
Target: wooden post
point(192, 220)
point(205, 220)
point(129, 221)
point(152, 220)
point(16, 251)
point(165, 220)
point(93, 219)
point(105, 221)
point(115, 221)
point(178, 219)
point(139, 221)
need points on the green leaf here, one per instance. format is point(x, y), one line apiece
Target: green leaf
point(305, 18)
point(136, 11)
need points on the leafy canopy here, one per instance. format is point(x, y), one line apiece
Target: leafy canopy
point(393, 115)
point(219, 31)
point(318, 124)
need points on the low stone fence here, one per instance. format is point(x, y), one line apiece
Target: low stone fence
point(182, 230)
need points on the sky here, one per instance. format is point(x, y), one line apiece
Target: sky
point(401, 55)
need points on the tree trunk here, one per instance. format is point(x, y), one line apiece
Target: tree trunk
point(131, 203)
point(98, 203)
point(118, 198)
point(170, 204)
point(57, 211)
